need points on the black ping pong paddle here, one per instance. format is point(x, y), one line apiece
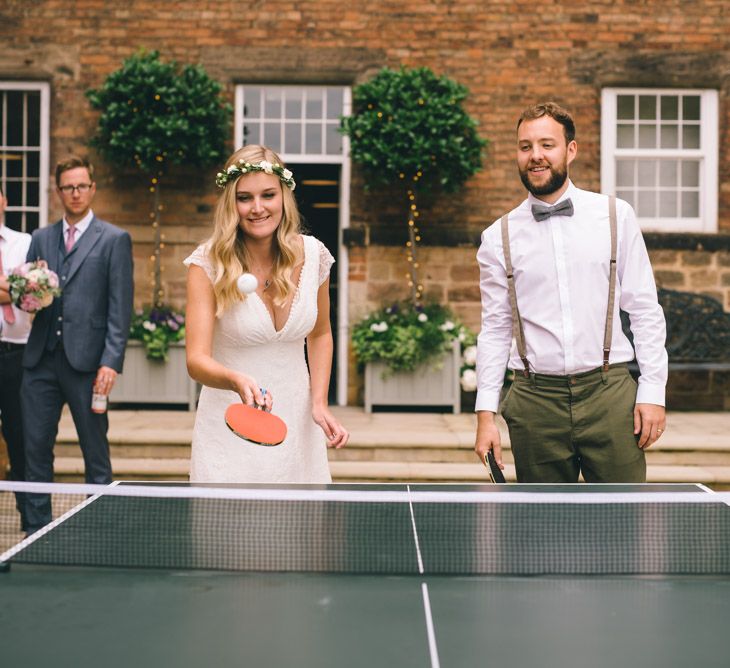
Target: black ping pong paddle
point(495, 473)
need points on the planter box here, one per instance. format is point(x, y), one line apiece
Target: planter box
point(435, 384)
point(153, 382)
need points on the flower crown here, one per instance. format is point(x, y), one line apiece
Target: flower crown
point(242, 167)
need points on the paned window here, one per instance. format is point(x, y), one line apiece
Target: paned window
point(659, 152)
point(24, 110)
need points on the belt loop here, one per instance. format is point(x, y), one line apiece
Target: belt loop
point(604, 375)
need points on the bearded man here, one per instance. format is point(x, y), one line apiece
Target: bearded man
point(554, 273)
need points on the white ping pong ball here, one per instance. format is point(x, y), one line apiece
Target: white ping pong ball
point(247, 283)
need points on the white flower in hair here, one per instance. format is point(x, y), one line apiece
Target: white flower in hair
point(267, 166)
point(232, 169)
point(286, 174)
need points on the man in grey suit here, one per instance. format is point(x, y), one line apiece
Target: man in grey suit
point(76, 345)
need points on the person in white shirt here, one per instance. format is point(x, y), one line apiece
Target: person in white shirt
point(549, 315)
point(14, 330)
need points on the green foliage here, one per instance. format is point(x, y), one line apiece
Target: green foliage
point(404, 336)
point(409, 124)
point(152, 115)
point(157, 328)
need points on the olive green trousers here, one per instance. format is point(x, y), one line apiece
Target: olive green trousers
point(564, 426)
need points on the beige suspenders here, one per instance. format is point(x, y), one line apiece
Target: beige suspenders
point(517, 329)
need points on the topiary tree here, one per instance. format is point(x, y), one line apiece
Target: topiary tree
point(154, 115)
point(408, 127)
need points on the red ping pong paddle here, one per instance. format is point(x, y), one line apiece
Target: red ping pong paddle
point(255, 424)
point(495, 473)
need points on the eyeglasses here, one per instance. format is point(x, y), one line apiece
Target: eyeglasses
point(68, 190)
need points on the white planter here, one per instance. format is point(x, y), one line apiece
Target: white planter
point(434, 384)
point(154, 382)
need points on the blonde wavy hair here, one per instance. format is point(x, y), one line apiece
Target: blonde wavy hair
point(227, 250)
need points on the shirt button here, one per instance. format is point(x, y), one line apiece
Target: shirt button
point(63, 278)
point(58, 332)
point(60, 318)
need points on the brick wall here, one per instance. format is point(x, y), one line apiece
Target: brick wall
point(509, 54)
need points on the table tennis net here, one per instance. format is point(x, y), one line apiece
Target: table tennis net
point(406, 530)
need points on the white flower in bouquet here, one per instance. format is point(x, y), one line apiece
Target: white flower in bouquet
point(33, 286)
point(469, 380)
point(470, 355)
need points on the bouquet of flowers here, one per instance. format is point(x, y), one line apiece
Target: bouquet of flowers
point(157, 327)
point(33, 286)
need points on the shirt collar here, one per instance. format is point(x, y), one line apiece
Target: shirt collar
point(570, 191)
point(81, 225)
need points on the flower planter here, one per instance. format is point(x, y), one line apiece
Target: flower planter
point(147, 381)
point(434, 384)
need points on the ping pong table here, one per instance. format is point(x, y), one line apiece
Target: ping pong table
point(375, 575)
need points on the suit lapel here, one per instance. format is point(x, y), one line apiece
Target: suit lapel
point(79, 252)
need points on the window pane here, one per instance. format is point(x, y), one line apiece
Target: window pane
point(647, 107)
point(690, 205)
point(251, 133)
point(627, 195)
point(251, 102)
point(647, 136)
point(34, 119)
point(314, 104)
point(31, 193)
point(625, 136)
point(15, 120)
point(31, 221)
point(624, 107)
point(646, 207)
point(293, 138)
point(272, 136)
point(668, 205)
point(668, 174)
point(669, 136)
point(14, 164)
point(293, 105)
point(690, 174)
point(334, 139)
point(14, 220)
point(670, 107)
point(334, 102)
point(314, 138)
point(625, 172)
point(272, 103)
point(691, 136)
point(691, 107)
point(14, 193)
point(647, 174)
point(33, 165)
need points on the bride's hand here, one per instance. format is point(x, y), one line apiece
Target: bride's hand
point(337, 436)
point(250, 392)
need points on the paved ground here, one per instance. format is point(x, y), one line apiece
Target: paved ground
point(684, 430)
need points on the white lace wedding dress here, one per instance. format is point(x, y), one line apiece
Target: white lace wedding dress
point(246, 339)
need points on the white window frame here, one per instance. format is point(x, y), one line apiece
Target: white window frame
point(707, 155)
point(342, 159)
point(45, 105)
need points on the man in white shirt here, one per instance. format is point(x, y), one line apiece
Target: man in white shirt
point(573, 408)
point(14, 330)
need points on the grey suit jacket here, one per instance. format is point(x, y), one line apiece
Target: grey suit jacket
point(95, 309)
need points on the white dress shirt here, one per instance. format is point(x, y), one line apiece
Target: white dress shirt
point(81, 227)
point(561, 270)
point(14, 248)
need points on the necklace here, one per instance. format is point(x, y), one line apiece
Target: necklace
point(267, 273)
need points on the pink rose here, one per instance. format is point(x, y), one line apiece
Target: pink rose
point(30, 304)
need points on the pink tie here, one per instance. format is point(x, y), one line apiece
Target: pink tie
point(70, 239)
point(7, 308)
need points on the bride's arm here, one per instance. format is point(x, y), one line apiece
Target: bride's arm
point(319, 355)
point(199, 324)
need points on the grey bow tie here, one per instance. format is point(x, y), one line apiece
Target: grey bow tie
point(540, 212)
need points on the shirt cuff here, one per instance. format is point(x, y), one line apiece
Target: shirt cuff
point(487, 401)
point(650, 394)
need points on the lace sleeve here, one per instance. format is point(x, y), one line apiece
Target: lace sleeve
point(325, 262)
point(199, 257)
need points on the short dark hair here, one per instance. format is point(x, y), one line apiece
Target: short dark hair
point(556, 112)
point(72, 162)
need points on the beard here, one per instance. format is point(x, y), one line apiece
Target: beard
point(558, 176)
